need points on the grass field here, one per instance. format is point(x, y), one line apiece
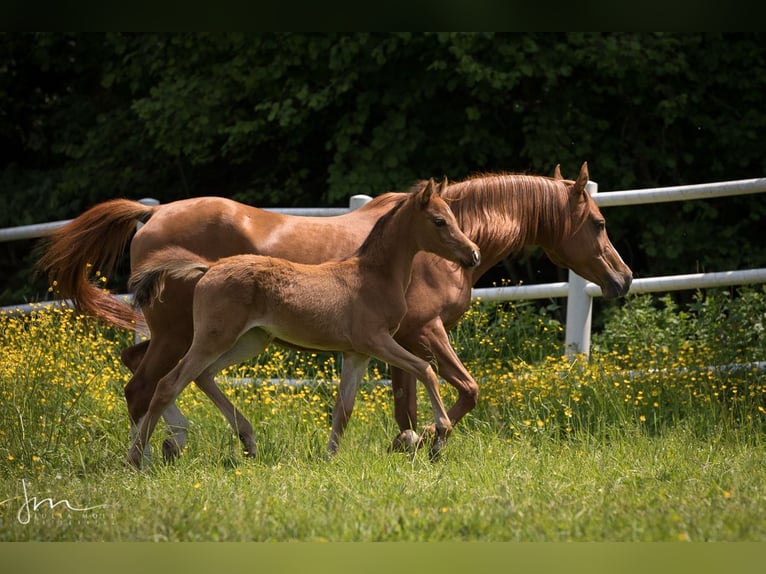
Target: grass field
point(643, 442)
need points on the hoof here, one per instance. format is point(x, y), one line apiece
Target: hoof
point(434, 454)
point(407, 441)
point(170, 450)
point(135, 458)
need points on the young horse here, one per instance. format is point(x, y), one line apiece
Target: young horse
point(243, 302)
point(502, 213)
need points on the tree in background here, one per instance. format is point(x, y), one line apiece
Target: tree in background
point(310, 119)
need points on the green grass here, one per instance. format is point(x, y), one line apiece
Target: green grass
point(639, 488)
point(641, 443)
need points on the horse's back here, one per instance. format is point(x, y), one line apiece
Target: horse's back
point(216, 227)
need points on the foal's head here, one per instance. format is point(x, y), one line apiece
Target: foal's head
point(438, 230)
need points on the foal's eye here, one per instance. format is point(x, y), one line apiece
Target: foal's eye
point(600, 225)
point(439, 222)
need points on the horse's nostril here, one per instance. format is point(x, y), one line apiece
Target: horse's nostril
point(475, 257)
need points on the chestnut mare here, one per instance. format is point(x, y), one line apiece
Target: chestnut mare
point(243, 302)
point(501, 213)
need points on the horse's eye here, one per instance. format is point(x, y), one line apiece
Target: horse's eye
point(600, 225)
point(439, 222)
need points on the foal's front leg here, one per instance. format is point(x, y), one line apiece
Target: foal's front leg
point(388, 350)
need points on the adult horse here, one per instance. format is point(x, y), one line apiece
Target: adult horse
point(501, 213)
point(354, 305)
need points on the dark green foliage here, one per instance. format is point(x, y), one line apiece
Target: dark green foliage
point(729, 325)
point(310, 119)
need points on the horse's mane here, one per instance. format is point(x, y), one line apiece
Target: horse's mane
point(508, 207)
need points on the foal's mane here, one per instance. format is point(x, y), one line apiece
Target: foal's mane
point(509, 208)
point(373, 237)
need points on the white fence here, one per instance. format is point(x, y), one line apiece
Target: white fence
point(579, 292)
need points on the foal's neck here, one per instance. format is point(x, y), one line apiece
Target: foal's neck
point(391, 247)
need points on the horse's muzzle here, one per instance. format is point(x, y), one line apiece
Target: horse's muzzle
point(475, 259)
point(618, 289)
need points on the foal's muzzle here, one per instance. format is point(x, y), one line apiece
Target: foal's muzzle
point(475, 259)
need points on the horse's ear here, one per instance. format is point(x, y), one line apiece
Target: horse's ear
point(557, 172)
point(442, 186)
point(582, 179)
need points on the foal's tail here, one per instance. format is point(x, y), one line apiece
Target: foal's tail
point(88, 244)
point(148, 281)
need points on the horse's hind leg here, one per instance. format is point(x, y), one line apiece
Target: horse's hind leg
point(168, 388)
point(152, 360)
point(405, 410)
point(177, 424)
point(352, 371)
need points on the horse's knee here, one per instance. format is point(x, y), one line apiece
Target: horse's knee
point(132, 356)
point(136, 398)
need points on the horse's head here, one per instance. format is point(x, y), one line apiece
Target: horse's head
point(439, 230)
point(587, 250)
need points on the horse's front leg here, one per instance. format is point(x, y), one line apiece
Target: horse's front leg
point(452, 370)
point(352, 371)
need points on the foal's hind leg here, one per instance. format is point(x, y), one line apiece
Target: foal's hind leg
point(243, 428)
point(249, 344)
point(157, 357)
point(168, 388)
point(211, 350)
point(177, 424)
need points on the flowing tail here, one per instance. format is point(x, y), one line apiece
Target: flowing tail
point(148, 281)
point(94, 241)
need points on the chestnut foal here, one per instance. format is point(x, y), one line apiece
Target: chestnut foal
point(355, 305)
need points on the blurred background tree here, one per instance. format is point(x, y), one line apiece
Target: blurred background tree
point(282, 119)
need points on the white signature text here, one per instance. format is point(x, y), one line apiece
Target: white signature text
point(32, 504)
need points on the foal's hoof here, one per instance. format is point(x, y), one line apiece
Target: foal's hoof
point(407, 441)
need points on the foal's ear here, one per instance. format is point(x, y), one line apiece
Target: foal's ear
point(582, 179)
point(428, 190)
point(557, 172)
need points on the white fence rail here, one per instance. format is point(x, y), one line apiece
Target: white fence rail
point(580, 293)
